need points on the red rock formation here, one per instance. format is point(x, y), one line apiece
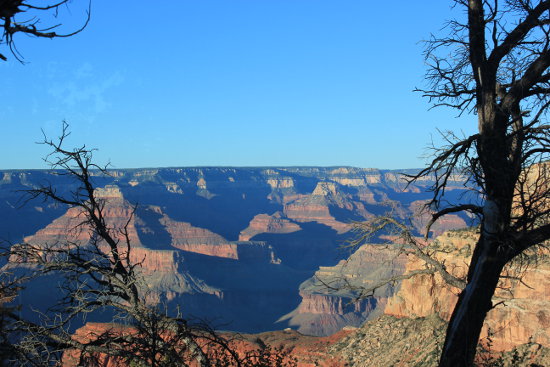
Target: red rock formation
point(309, 351)
point(523, 316)
point(385, 341)
point(156, 260)
point(329, 297)
point(69, 228)
point(119, 213)
point(313, 209)
point(306, 350)
point(199, 240)
point(89, 332)
point(202, 241)
point(263, 223)
point(316, 207)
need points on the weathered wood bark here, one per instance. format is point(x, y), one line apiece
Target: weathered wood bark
point(473, 304)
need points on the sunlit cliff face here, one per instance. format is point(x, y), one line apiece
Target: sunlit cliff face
point(233, 244)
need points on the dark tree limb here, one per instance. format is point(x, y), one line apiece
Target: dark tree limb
point(453, 209)
point(11, 12)
point(502, 51)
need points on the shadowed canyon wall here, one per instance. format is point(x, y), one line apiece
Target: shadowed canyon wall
point(237, 246)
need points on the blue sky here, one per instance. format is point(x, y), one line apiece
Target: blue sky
point(230, 83)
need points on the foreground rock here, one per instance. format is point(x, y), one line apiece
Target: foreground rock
point(407, 342)
point(411, 331)
point(522, 302)
point(384, 341)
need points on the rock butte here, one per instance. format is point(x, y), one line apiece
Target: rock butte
point(246, 244)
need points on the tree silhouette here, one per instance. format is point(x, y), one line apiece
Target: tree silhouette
point(29, 17)
point(95, 271)
point(495, 65)
point(98, 273)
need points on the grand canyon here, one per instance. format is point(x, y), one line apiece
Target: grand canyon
point(255, 250)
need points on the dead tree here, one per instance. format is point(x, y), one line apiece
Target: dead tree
point(30, 18)
point(493, 64)
point(99, 275)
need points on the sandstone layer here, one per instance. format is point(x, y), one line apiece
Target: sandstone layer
point(336, 296)
point(263, 223)
point(225, 242)
point(384, 341)
point(521, 315)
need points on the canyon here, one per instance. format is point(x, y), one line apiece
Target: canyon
point(410, 329)
point(259, 249)
point(238, 246)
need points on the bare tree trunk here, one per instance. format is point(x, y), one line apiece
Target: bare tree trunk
point(500, 70)
point(473, 304)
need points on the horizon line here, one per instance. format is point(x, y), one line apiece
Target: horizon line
point(220, 166)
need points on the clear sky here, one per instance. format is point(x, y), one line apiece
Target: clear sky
point(230, 83)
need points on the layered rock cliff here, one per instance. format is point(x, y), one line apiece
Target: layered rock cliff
point(335, 296)
point(520, 317)
point(405, 342)
point(69, 228)
point(521, 314)
point(347, 191)
point(228, 243)
point(263, 223)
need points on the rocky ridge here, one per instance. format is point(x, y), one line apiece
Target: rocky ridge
point(521, 315)
point(417, 342)
point(333, 298)
point(384, 341)
point(229, 241)
point(411, 331)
